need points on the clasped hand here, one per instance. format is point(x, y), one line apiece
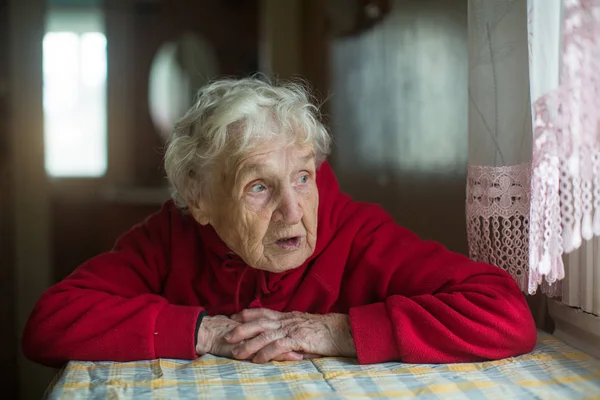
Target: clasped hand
point(264, 335)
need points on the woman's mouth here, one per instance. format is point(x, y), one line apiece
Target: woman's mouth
point(290, 243)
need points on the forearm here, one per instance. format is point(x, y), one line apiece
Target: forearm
point(202, 338)
point(460, 326)
point(90, 325)
point(341, 330)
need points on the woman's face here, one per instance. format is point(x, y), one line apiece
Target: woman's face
point(266, 208)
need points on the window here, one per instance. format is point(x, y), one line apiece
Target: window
point(74, 68)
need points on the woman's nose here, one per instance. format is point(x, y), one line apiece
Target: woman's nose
point(289, 210)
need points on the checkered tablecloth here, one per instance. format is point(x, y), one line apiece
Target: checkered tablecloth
point(553, 370)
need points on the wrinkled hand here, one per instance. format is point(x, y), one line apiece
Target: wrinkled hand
point(266, 335)
point(211, 339)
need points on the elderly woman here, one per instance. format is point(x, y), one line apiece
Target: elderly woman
point(260, 257)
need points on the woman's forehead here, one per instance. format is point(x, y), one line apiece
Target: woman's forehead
point(261, 159)
point(273, 157)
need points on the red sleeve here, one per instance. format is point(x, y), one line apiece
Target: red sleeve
point(435, 306)
point(110, 308)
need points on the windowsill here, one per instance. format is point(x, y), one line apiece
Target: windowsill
point(575, 327)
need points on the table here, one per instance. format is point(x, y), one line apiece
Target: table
point(553, 370)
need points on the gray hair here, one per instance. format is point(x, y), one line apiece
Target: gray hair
point(228, 118)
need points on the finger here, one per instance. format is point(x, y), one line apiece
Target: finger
point(291, 356)
point(273, 350)
point(252, 329)
point(252, 314)
point(250, 347)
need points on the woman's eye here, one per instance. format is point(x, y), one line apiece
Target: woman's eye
point(303, 179)
point(259, 187)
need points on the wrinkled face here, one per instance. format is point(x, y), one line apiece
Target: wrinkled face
point(265, 209)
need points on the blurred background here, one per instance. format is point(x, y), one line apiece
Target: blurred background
point(90, 88)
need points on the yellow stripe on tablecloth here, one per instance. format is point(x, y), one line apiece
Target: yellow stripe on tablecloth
point(447, 388)
point(566, 379)
point(317, 376)
point(462, 387)
point(149, 363)
point(435, 389)
point(548, 339)
point(415, 370)
point(468, 367)
point(175, 382)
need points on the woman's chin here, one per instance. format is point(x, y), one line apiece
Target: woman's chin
point(286, 260)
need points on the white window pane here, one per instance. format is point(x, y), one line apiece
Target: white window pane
point(74, 100)
point(93, 60)
point(61, 66)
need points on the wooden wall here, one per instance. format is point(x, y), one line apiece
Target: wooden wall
point(231, 27)
point(86, 217)
point(8, 349)
point(29, 183)
point(399, 116)
point(396, 102)
point(86, 228)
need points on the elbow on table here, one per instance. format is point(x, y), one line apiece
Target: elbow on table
point(32, 345)
point(514, 331)
point(520, 334)
point(38, 344)
point(527, 334)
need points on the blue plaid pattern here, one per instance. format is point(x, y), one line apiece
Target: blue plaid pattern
point(553, 370)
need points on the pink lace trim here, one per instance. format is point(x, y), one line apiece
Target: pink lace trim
point(565, 197)
point(497, 209)
point(498, 217)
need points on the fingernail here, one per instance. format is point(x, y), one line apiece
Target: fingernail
point(234, 316)
point(228, 336)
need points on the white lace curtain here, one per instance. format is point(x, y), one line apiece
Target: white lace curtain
point(533, 184)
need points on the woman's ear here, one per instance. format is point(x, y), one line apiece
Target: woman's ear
point(200, 214)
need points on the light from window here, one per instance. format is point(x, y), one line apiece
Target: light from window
point(74, 67)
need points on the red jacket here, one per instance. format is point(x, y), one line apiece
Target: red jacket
point(408, 299)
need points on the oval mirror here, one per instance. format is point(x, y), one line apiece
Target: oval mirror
point(178, 70)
